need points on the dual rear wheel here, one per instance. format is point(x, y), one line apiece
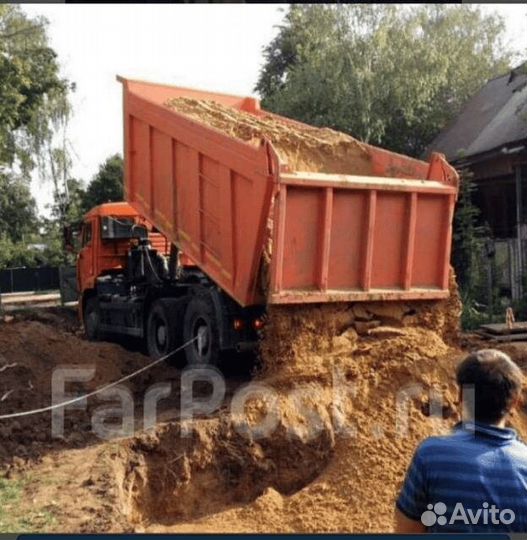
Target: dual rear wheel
point(165, 333)
point(170, 324)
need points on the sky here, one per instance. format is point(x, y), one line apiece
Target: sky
point(216, 47)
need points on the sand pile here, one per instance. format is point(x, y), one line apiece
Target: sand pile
point(333, 462)
point(301, 147)
point(353, 407)
point(353, 385)
point(303, 341)
point(337, 443)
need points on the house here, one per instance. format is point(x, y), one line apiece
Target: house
point(489, 138)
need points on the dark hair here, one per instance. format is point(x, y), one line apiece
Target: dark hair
point(497, 382)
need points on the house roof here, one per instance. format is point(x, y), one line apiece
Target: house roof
point(494, 117)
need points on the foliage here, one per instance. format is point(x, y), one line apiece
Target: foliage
point(15, 254)
point(18, 218)
point(468, 236)
point(34, 111)
point(469, 258)
point(68, 206)
point(18, 222)
point(28, 241)
point(72, 202)
point(33, 96)
point(66, 210)
point(107, 185)
point(390, 75)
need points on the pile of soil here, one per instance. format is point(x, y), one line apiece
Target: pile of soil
point(32, 345)
point(334, 461)
point(335, 465)
point(301, 147)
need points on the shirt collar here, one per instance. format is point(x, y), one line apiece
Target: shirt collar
point(488, 430)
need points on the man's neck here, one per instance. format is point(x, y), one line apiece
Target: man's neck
point(502, 424)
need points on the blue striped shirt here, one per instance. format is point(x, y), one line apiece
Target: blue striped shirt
point(478, 466)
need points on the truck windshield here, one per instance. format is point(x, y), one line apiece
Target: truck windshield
point(116, 227)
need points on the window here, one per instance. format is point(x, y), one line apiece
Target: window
point(86, 234)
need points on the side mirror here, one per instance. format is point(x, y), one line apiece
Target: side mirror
point(67, 238)
point(70, 233)
point(140, 232)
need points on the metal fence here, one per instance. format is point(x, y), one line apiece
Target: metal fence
point(44, 278)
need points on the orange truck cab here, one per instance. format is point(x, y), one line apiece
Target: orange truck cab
point(105, 240)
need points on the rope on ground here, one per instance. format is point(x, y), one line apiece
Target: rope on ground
point(98, 390)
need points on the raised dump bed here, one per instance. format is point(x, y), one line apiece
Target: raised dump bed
point(244, 214)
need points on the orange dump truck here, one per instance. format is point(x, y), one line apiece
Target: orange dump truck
point(187, 255)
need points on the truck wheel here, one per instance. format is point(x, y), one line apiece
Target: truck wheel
point(92, 319)
point(161, 336)
point(201, 325)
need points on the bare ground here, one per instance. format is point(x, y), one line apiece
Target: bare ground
point(219, 480)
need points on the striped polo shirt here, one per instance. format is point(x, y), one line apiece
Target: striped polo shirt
point(476, 467)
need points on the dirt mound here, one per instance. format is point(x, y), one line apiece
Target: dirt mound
point(344, 480)
point(30, 351)
point(302, 147)
point(341, 440)
point(383, 394)
point(353, 401)
point(377, 393)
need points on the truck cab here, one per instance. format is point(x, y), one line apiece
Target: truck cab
point(133, 282)
point(106, 234)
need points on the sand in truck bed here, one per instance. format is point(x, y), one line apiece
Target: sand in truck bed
point(301, 147)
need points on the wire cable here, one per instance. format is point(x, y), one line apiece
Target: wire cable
point(98, 390)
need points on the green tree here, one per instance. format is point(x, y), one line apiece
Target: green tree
point(389, 75)
point(470, 259)
point(18, 218)
point(14, 254)
point(33, 96)
point(18, 222)
point(34, 113)
point(468, 238)
point(107, 184)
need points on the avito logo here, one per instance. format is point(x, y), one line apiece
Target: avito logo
point(487, 515)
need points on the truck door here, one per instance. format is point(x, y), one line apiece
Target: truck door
point(86, 259)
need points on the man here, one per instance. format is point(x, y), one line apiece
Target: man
point(481, 466)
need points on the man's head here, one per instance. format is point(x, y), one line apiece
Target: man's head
point(496, 381)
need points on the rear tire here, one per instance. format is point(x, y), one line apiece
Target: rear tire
point(161, 329)
point(92, 319)
point(201, 324)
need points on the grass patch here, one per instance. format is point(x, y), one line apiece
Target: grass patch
point(13, 517)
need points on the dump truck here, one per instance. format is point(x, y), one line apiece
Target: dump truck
point(185, 257)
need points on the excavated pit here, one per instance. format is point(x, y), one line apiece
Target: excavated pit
point(165, 477)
